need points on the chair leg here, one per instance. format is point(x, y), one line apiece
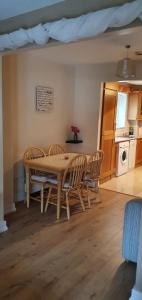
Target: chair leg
point(88, 198)
point(96, 191)
point(67, 204)
point(48, 197)
point(97, 186)
point(42, 194)
point(82, 190)
point(28, 190)
point(81, 200)
point(25, 189)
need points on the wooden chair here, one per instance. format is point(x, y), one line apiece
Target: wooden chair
point(55, 149)
point(92, 176)
point(71, 183)
point(36, 177)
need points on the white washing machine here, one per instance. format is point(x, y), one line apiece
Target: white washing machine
point(123, 158)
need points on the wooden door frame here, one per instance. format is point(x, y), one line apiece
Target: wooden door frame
point(100, 127)
point(101, 111)
point(100, 116)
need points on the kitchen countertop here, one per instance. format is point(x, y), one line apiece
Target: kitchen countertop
point(119, 139)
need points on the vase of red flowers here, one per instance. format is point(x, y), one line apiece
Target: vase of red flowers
point(75, 131)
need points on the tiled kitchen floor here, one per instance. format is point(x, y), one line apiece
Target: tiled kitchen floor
point(129, 183)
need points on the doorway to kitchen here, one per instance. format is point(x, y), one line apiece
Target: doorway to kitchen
point(121, 137)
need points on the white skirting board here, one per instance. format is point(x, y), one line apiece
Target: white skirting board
point(3, 226)
point(136, 295)
point(11, 208)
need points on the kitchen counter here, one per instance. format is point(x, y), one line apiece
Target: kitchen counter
point(119, 139)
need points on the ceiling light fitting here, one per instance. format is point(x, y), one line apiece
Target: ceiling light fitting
point(126, 67)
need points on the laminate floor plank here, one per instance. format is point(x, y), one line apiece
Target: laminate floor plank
point(80, 259)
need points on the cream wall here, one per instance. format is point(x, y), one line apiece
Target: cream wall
point(86, 106)
point(88, 97)
point(23, 126)
point(9, 125)
point(34, 128)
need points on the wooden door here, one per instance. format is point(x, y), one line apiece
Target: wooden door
point(139, 113)
point(108, 132)
point(139, 151)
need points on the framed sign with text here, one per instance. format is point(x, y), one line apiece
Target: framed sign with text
point(44, 98)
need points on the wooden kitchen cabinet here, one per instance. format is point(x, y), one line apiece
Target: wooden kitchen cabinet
point(135, 106)
point(139, 112)
point(139, 152)
point(118, 87)
point(106, 146)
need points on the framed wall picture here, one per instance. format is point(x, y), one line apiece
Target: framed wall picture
point(44, 98)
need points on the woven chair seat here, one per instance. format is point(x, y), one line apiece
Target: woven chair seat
point(38, 178)
point(91, 183)
point(54, 181)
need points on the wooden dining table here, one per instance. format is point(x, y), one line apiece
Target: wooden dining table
point(55, 164)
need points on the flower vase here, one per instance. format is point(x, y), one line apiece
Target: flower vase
point(75, 137)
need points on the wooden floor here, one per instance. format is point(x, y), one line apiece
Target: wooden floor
point(80, 259)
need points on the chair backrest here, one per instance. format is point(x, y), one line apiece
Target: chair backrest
point(94, 166)
point(74, 173)
point(33, 152)
point(55, 149)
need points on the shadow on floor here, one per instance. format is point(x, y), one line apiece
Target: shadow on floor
point(123, 280)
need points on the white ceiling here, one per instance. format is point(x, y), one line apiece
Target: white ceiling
point(108, 47)
point(12, 8)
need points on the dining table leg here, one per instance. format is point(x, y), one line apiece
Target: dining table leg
point(28, 186)
point(59, 196)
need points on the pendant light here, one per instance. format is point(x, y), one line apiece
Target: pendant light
point(126, 67)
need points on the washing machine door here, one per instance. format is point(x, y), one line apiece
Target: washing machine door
point(124, 156)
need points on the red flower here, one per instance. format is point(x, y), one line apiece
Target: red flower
point(75, 129)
